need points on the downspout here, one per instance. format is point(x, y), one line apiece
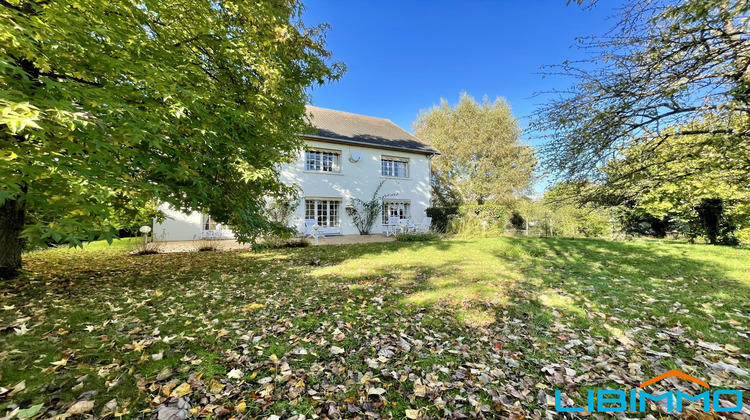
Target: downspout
point(429, 178)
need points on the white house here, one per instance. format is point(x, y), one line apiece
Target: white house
point(346, 158)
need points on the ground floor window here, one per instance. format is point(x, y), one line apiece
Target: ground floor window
point(398, 209)
point(324, 212)
point(208, 223)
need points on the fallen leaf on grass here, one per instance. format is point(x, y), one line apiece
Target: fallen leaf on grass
point(81, 407)
point(29, 412)
point(412, 414)
point(376, 391)
point(181, 390)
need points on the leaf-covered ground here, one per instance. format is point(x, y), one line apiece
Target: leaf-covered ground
point(450, 329)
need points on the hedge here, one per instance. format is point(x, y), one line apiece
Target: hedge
point(440, 216)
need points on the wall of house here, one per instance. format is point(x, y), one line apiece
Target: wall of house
point(178, 226)
point(355, 180)
point(359, 180)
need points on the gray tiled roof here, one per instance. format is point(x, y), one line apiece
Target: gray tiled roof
point(360, 129)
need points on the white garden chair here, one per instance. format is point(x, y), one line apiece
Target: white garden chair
point(392, 227)
point(425, 226)
point(309, 231)
point(405, 225)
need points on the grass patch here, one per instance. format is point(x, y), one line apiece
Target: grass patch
point(417, 237)
point(490, 325)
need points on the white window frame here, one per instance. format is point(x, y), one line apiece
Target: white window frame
point(325, 211)
point(389, 167)
point(208, 223)
point(323, 160)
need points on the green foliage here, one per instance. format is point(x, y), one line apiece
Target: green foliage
point(479, 220)
point(108, 106)
point(637, 222)
point(517, 221)
point(441, 216)
point(417, 237)
point(665, 63)
point(564, 215)
point(472, 227)
point(713, 222)
point(695, 181)
point(483, 158)
point(365, 213)
point(281, 211)
point(484, 211)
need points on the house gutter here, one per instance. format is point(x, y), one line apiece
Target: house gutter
point(370, 145)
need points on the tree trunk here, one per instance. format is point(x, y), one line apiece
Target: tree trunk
point(12, 215)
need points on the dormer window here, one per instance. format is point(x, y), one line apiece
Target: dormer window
point(317, 160)
point(394, 167)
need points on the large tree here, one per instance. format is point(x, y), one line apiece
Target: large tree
point(482, 156)
point(666, 64)
point(692, 179)
point(105, 105)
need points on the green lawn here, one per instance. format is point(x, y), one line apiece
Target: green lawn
point(486, 327)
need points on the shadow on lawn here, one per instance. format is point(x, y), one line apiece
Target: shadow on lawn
point(535, 298)
point(592, 284)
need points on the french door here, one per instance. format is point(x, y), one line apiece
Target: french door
point(398, 209)
point(326, 214)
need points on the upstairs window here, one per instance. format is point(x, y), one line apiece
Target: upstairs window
point(323, 161)
point(394, 167)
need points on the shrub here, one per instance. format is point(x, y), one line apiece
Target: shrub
point(288, 243)
point(517, 221)
point(441, 216)
point(471, 226)
point(476, 220)
point(484, 211)
point(156, 246)
point(417, 237)
point(208, 244)
point(280, 211)
point(365, 213)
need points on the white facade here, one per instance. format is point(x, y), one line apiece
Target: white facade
point(330, 174)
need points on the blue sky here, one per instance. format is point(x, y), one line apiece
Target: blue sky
point(403, 56)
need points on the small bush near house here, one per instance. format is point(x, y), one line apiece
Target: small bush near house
point(149, 249)
point(417, 237)
point(156, 246)
point(365, 213)
point(441, 216)
point(287, 243)
point(208, 244)
point(281, 211)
